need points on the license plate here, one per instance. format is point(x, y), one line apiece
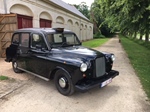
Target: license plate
point(106, 82)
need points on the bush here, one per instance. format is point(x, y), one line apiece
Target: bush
point(106, 31)
point(98, 35)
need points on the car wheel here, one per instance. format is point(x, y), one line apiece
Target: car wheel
point(15, 65)
point(63, 83)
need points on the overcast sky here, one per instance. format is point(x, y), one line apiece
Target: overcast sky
point(88, 2)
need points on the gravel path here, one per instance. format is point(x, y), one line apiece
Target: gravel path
point(124, 94)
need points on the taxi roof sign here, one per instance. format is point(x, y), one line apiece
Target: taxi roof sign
point(59, 29)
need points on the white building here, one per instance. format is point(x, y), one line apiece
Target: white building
point(48, 13)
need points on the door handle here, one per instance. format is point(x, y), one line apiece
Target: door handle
point(19, 51)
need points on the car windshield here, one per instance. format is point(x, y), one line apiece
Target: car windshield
point(63, 40)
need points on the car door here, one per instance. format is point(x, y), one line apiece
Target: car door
point(11, 51)
point(23, 48)
point(38, 52)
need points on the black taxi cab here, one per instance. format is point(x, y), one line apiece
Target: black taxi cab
point(57, 53)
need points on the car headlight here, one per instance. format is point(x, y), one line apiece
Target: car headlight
point(113, 57)
point(83, 67)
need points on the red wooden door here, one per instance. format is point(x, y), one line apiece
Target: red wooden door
point(45, 23)
point(24, 21)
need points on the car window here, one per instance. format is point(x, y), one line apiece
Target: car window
point(62, 39)
point(71, 39)
point(37, 40)
point(57, 38)
point(15, 39)
point(50, 38)
point(25, 39)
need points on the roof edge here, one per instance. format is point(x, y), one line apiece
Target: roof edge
point(56, 5)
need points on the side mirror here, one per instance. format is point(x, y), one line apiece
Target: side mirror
point(38, 46)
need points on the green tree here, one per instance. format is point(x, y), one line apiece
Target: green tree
point(128, 16)
point(95, 16)
point(98, 19)
point(84, 9)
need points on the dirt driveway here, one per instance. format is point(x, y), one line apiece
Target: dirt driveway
point(124, 94)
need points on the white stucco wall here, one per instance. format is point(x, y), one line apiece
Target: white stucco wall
point(39, 9)
point(2, 10)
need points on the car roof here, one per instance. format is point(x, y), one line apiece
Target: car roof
point(45, 30)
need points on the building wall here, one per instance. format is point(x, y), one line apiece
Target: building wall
point(60, 18)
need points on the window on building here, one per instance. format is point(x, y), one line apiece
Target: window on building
point(45, 23)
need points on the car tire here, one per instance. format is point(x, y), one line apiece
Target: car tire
point(63, 83)
point(15, 65)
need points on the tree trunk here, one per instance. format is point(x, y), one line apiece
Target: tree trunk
point(141, 36)
point(147, 37)
point(130, 34)
point(135, 35)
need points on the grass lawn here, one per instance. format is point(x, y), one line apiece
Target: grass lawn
point(95, 42)
point(139, 56)
point(3, 77)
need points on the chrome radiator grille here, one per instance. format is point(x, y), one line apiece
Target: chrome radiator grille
point(100, 66)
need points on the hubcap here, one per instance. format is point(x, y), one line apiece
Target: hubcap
point(62, 82)
point(15, 65)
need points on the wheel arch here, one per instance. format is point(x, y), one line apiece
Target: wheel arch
point(53, 73)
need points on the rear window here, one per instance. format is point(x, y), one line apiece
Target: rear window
point(25, 39)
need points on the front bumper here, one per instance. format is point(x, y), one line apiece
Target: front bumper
point(89, 84)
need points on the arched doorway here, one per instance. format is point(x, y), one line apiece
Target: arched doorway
point(45, 20)
point(24, 15)
point(82, 32)
point(70, 25)
point(77, 30)
point(85, 33)
point(60, 22)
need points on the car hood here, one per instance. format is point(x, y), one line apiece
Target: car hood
point(76, 54)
